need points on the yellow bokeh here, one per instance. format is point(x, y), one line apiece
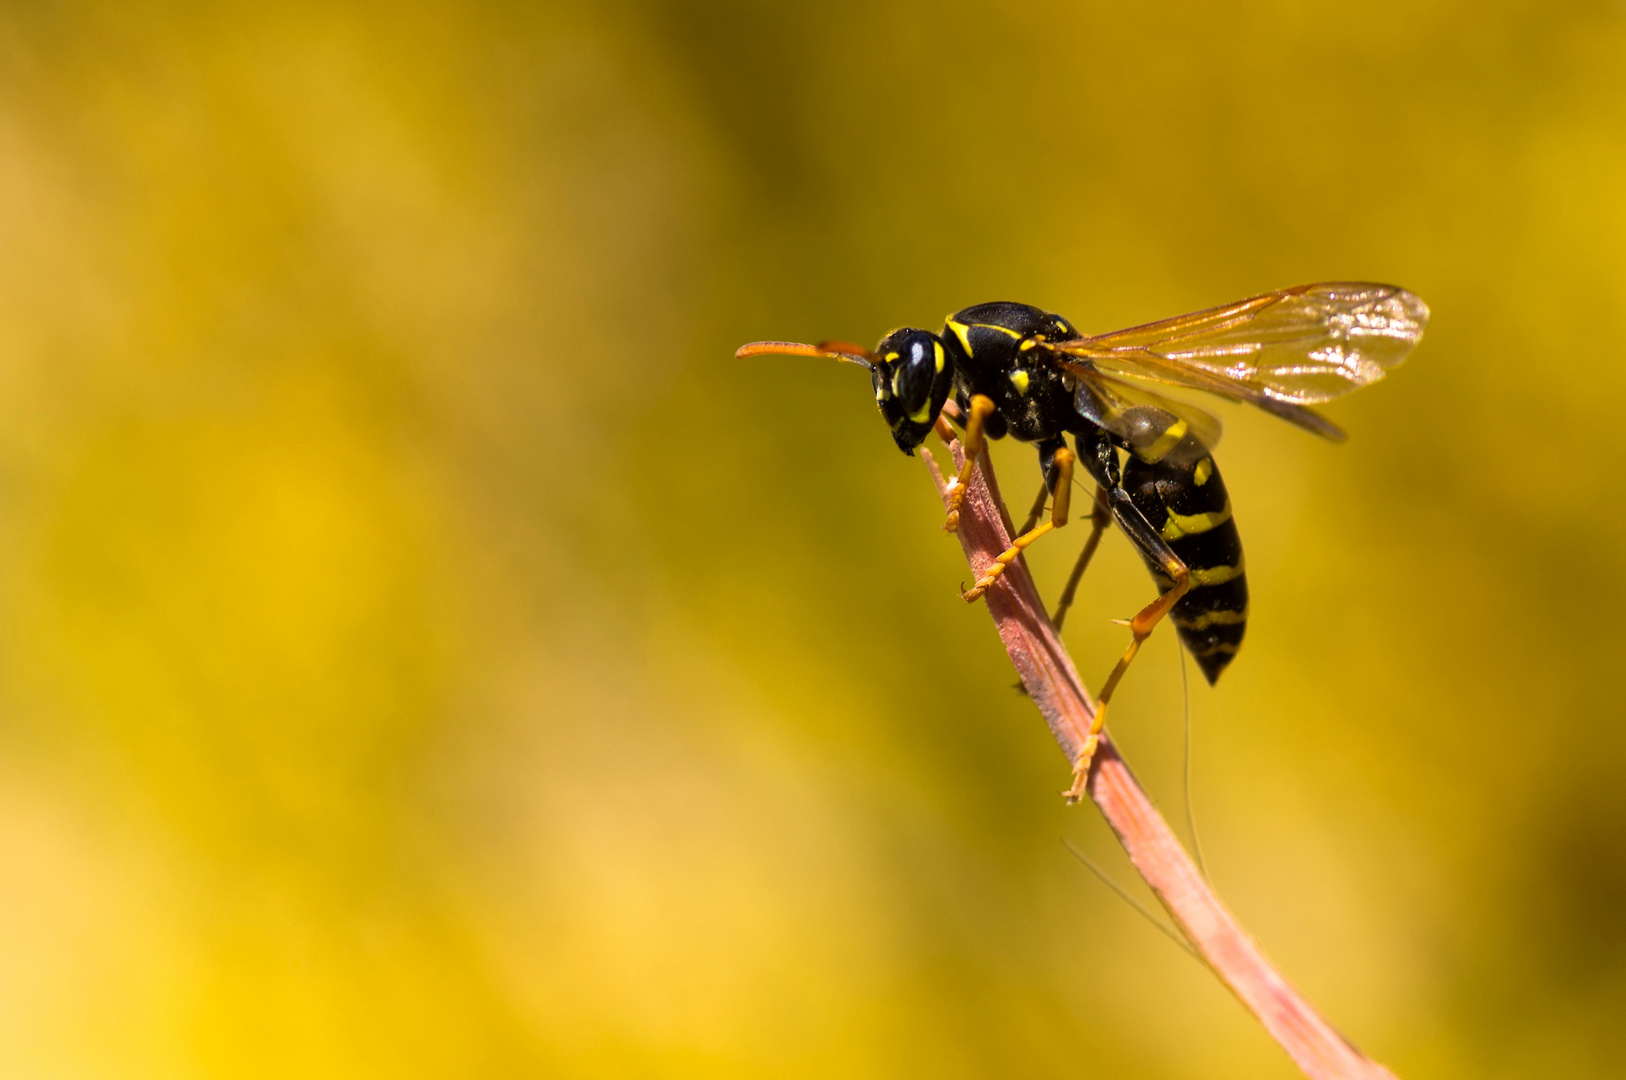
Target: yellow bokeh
point(425, 651)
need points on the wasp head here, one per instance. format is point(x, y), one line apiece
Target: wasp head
point(912, 380)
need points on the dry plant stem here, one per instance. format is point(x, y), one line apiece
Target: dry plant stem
point(1051, 681)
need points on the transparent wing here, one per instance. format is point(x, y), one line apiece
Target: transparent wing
point(1279, 351)
point(1152, 368)
point(1121, 408)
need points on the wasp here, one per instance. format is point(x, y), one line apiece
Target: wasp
point(1013, 369)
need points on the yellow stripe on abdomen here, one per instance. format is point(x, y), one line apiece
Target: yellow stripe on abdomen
point(1179, 525)
point(1160, 447)
point(1213, 618)
point(1216, 575)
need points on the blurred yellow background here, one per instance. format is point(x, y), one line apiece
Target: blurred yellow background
point(425, 651)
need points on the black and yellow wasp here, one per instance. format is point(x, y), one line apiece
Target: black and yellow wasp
point(1016, 370)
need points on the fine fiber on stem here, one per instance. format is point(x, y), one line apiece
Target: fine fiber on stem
point(1053, 684)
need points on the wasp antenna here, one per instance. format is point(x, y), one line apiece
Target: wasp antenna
point(777, 348)
point(835, 350)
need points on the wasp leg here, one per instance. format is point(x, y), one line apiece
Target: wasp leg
point(976, 416)
point(1063, 465)
point(1038, 507)
point(1100, 518)
point(1048, 449)
point(1148, 540)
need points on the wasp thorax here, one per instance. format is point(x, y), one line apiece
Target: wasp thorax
point(912, 381)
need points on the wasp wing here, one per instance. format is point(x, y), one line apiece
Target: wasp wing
point(1280, 351)
point(1108, 402)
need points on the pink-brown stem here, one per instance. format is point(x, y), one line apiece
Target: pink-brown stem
point(1053, 683)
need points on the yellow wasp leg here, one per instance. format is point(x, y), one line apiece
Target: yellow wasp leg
point(1058, 517)
point(1100, 518)
point(1141, 626)
point(980, 409)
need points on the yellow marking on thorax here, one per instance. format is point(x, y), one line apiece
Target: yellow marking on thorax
point(1216, 575)
point(963, 332)
point(1204, 469)
point(937, 354)
point(1179, 525)
point(1019, 379)
point(1163, 443)
point(1214, 618)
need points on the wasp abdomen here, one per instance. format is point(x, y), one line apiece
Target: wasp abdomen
point(1179, 490)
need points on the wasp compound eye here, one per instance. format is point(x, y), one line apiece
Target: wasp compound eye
point(912, 375)
point(912, 381)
